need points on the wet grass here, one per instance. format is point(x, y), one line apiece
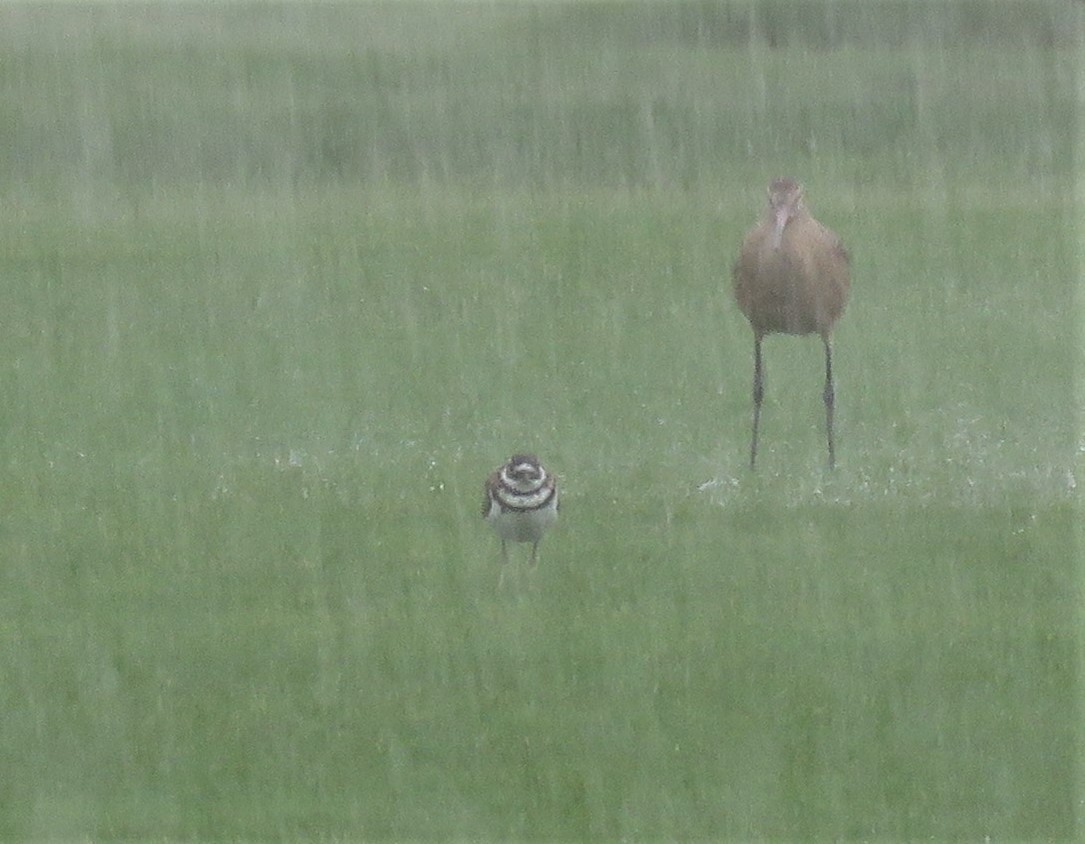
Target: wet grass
point(247, 592)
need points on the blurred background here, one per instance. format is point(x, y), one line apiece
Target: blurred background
point(649, 96)
point(281, 284)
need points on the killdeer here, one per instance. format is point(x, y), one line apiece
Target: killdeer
point(521, 503)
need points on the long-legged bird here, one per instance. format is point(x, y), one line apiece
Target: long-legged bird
point(791, 277)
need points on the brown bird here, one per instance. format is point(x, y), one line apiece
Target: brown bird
point(791, 278)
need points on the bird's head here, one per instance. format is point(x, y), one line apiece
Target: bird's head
point(524, 469)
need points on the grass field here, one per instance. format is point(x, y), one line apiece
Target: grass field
point(281, 284)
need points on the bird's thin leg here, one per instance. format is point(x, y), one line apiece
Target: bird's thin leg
point(504, 564)
point(534, 553)
point(830, 399)
point(758, 395)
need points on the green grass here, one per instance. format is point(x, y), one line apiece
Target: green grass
point(262, 345)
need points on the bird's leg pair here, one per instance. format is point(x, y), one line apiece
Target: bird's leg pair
point(829, 397)
point(505, 560)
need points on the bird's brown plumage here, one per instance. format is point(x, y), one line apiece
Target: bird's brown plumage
point(791, 277)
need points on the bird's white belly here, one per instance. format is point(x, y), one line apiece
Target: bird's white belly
point(523, 526)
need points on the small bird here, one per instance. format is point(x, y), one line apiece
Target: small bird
point(791, 277)
point(521, 502)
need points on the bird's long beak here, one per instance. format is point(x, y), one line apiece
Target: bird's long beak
point(783, 214)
